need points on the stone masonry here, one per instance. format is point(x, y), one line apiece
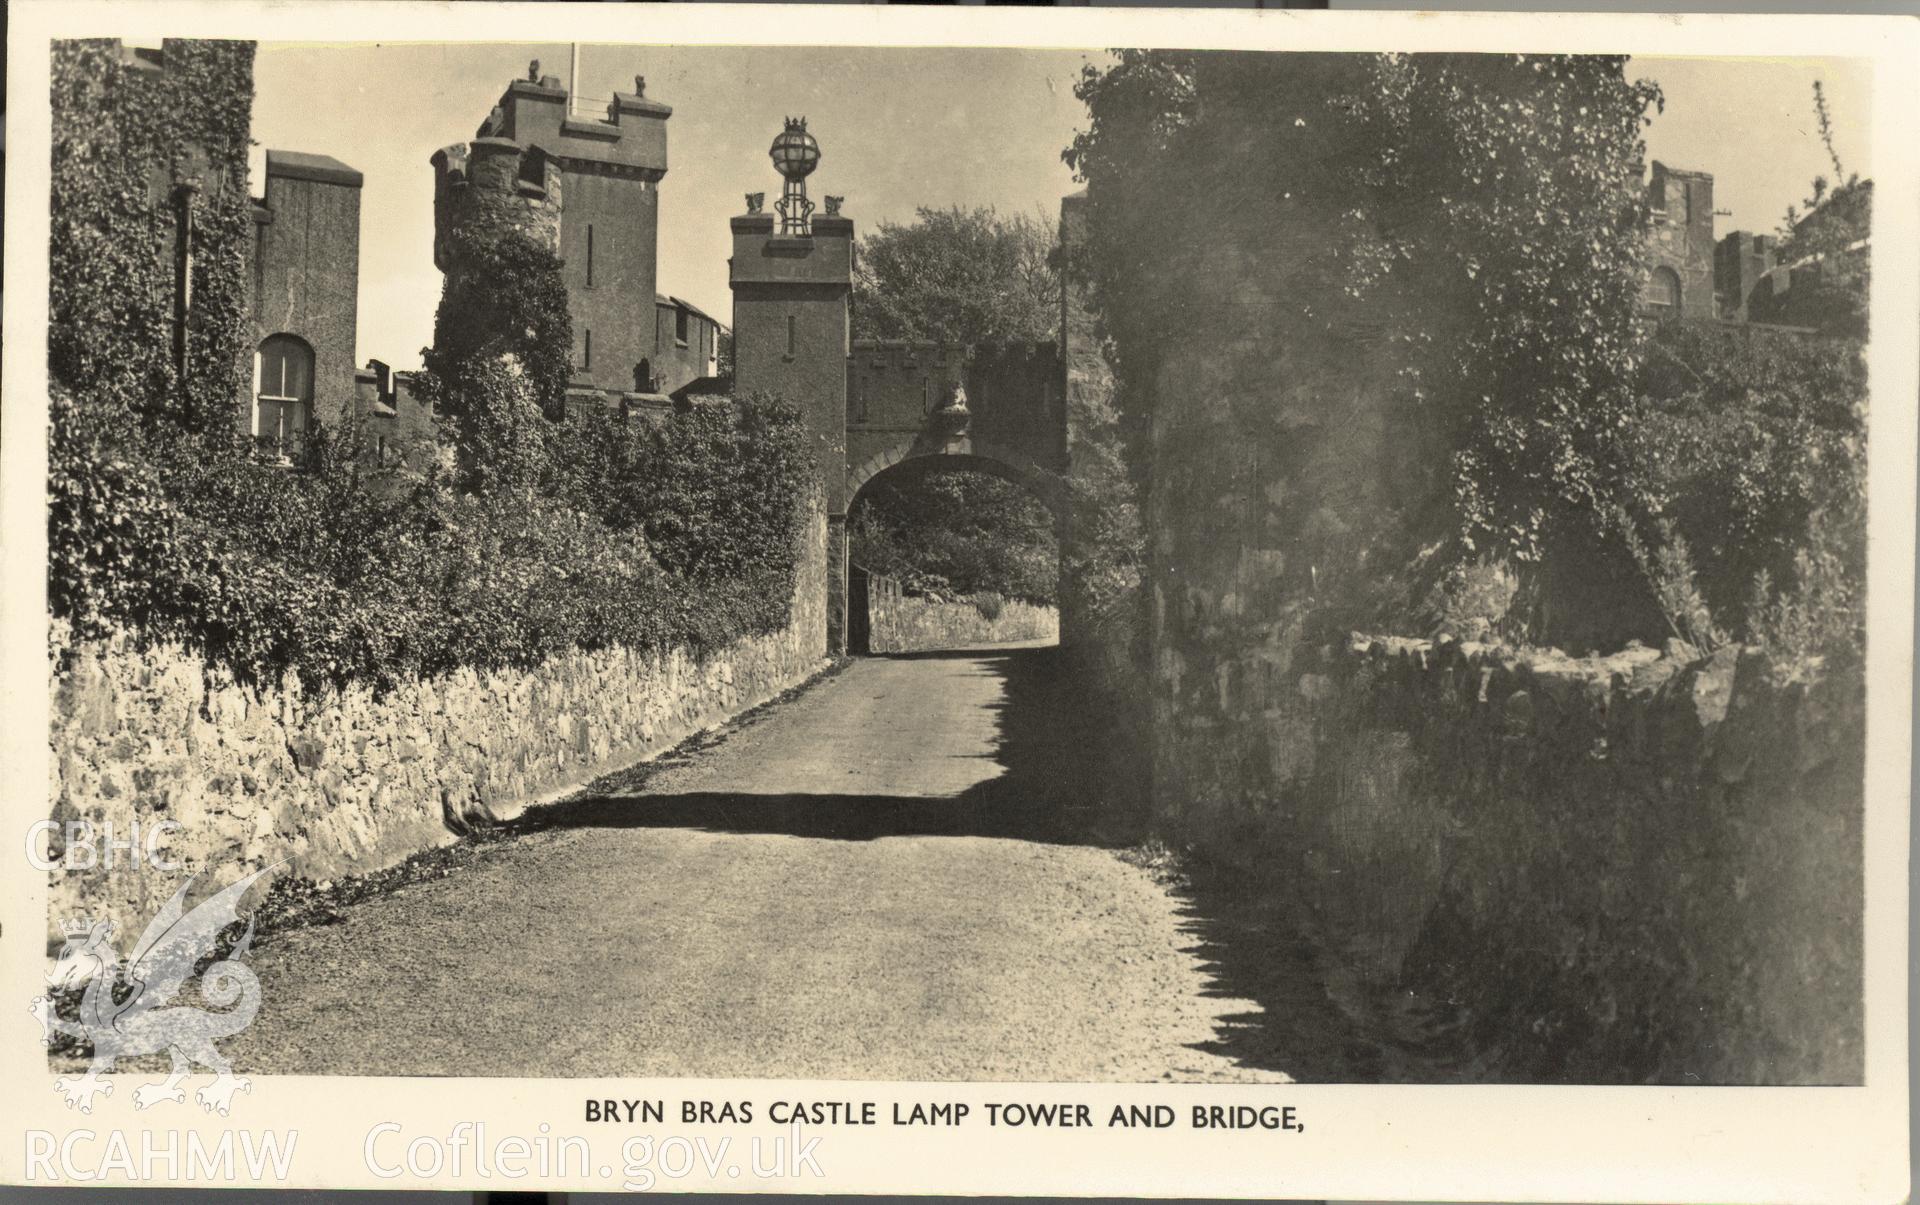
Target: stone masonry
point(339, 783)
point(1656, 843)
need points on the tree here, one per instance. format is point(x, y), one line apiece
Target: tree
point(957, 276)
point(1826, 245)
point(957, 530)
point(965, 277)
point(1484, 213)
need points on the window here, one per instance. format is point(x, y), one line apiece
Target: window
point(790, 334)
point(680, 325)
point(586, 348)
point(1663, 289)
point(283, 395)
point(589, 255)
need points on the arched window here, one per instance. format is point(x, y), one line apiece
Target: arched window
point(283, 394)
point(1663, 289)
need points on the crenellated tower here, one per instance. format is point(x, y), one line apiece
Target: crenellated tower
point(588, 185)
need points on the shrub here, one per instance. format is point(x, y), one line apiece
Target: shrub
point(974, 531)
point(1739, 439)
point(712, 489)
point(347, 573)
point(931, 586)
point(990, 604)
point(1821, 613)
point(1668, 570)
point(1472, 599)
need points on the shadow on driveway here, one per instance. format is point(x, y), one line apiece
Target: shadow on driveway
point(1049, 742)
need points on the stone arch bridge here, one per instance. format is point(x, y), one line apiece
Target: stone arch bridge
point(996, 409)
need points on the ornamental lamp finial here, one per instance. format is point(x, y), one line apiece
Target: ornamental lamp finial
point(795, 153)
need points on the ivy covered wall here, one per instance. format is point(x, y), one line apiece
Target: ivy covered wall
point(147, 146)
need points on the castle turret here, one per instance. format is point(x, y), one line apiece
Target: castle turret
point(489, 186)
point(791, 280)
point(600, 175)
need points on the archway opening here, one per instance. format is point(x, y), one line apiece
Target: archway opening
point(951, 552)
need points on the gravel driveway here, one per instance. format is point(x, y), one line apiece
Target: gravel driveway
point(879, 879)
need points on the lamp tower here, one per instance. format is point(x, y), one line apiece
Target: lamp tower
point(790, 329)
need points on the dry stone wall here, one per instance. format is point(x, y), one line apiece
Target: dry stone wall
point(1645, 867)
point(908, 624)
point(342, 782)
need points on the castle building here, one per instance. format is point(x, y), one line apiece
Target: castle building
point(1736, 278)
point(587, 188)
point(792, 282)
point(1822, 290)
point(304, 282)
point(628, 336)
point(1742, 262)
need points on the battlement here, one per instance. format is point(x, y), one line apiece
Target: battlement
point(629, 139)
point(1747, 242)
point(1039, 354)
point(896, 354)
point(1743, 265)
point(495, 183)
point(141, 58)
point(1013, 389)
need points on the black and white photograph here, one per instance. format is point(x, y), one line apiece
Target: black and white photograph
point(1067, 595)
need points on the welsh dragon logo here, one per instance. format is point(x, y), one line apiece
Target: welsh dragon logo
point(125, 1015)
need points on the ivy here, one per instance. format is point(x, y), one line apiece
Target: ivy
point(124, 138)
point(350, 572)
point(1741, 441)
point(502, 352)
point(1485, 211)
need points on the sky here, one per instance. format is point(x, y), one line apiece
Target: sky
point(925, 127)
